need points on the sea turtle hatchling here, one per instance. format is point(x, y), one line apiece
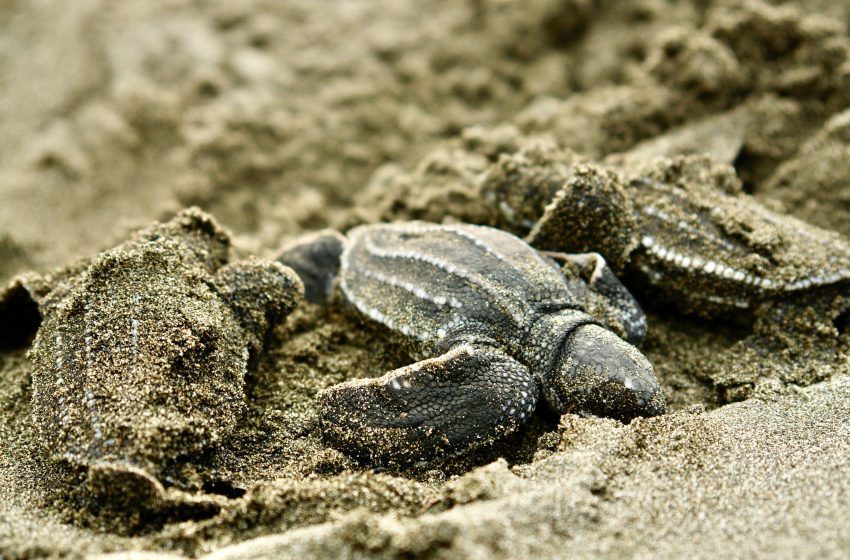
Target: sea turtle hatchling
point(496, 323)
point(140, 356)
point(682, 228)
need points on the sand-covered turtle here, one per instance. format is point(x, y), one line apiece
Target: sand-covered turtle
point(706, 246)
point(497, 326)
point(141, 353)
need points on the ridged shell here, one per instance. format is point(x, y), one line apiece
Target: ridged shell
point(710, 249)
point(139, 361)
point(430, 281)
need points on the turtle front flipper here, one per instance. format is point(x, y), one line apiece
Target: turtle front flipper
point(618, 301)
point(261, 293)
point(467, 397)
point(592, 212)
point(131, 497)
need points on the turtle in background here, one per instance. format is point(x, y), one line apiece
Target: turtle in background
point(682, 233)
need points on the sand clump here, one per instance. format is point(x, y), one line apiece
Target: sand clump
point(812, 184)
point(283, 119)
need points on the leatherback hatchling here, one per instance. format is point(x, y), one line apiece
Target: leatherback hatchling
point(496, 323)
point(141, 353)
point(683, 229)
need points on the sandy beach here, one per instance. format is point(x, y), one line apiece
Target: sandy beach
point(279, 119)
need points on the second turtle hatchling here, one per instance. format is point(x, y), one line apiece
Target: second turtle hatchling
point(141, 353)
point(496, 325)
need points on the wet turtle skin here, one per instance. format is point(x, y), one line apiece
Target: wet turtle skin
point(140, 358)
point(497, 325)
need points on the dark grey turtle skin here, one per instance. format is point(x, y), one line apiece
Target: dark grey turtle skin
point(141, 353)
point(496, 323)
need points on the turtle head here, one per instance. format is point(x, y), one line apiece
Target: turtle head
point(599, 373)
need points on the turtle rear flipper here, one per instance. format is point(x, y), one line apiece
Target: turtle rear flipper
point(316, 259)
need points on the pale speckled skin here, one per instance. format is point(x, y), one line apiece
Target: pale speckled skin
point(140, 358)
point(497, 323)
